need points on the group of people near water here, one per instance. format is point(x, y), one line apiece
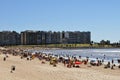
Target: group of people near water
point(66, 60)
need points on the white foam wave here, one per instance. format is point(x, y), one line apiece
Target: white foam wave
point(108, 51)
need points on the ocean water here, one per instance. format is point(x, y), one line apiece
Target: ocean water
point(106, 54)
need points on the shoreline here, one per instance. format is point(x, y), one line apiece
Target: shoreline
point(91, 48)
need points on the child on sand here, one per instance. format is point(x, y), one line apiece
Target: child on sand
point(12, 68)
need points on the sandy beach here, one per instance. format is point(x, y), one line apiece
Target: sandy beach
point(34, 70)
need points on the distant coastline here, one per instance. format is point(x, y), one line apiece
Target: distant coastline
point(64, 46)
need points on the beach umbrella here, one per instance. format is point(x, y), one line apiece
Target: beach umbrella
point(78, 62)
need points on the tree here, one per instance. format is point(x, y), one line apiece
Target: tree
point(108, 42)
point(103, 42)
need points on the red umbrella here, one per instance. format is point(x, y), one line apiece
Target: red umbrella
point(78, 62)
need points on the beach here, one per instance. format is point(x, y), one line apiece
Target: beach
point(34, 70)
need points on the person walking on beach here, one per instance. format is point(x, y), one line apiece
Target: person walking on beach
point(4, 59)
point(112, 61)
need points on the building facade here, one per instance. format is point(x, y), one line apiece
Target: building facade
point(28, 38)
point(43, 37)
point(9, 38)
point(70, 37)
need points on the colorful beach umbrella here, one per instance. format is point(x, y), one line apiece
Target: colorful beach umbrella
point(78, 62)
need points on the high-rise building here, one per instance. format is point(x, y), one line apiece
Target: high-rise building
point(55, 38)
point(28, 38)
point(43, 37)
point(9, 38)
point(76, 37)
point(49, 37)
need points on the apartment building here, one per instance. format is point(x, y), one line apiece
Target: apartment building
point(44, 37)
point(9, 38)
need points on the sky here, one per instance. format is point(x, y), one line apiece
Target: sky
point(100, 17)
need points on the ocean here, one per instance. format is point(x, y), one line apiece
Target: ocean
point(106, 54)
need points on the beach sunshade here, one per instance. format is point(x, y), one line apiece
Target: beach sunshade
point(78, 62)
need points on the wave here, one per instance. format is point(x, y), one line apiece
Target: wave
point(108, 51)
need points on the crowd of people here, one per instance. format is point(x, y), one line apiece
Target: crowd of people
point(66, 60)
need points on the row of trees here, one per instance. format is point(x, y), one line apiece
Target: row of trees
point(106, 42)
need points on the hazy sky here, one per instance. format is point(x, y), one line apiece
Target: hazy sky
point(101, 17)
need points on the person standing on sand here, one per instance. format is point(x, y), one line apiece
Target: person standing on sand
point(112, 61)
point(12, 68)
point(4, 59)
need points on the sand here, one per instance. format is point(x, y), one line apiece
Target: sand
point(34, 70)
